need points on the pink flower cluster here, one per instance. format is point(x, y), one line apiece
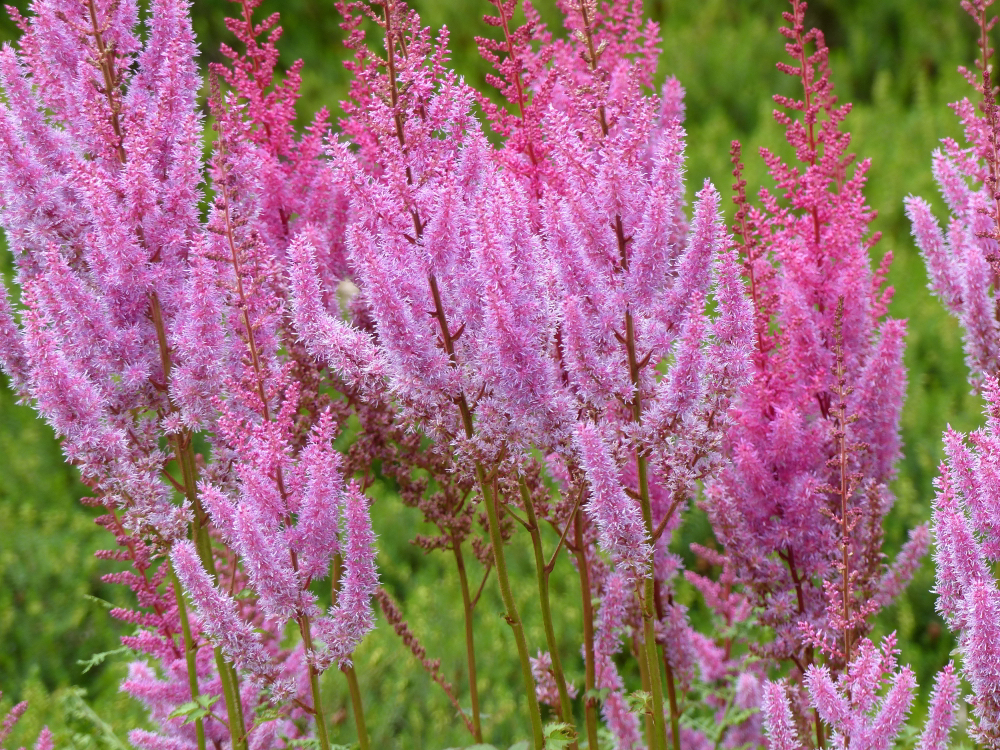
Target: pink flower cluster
point(499, 315)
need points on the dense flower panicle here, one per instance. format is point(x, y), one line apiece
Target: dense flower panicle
point(854, 706)
point(958, 262)
point(348, 351)
point(550, 295)
point(779, 723)
point(965, 529)
point(815, 434)
point(545, 683)
point(943, 710)
point(220, 617)
point(12, 717)
point(140, 323)
point(299, 189)
point(862, 711)
point(44, 741)
point(609, 50)
point(623, 724)
point(352, 617)
point(617, 516)
point(961, 262)
point(100, 197)
point(961, 266)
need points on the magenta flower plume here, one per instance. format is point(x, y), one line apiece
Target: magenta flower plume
point(814, 437)
point(959, 261)
point(618, 518)
point(219, 614)
point(861, 713)
point(352, 616)
point(347, 351)
point(942, 713)
point(778, 722)
point(44, 741)
point(965, 530)
point(623, 724)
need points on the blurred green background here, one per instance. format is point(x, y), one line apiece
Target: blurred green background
point(895, 59)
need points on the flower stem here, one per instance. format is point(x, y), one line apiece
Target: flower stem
point(184, 455)
point(323, 736)
point(658, 741)
point(511, 615)
point(357, 706)
point(190, 655)
point(583, 568)
point(470, 645)
point(675, 731)
point(542, 572)
point(675, 726)
point(496, 538)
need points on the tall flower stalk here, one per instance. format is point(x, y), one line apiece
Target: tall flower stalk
point(142, 327)
point(962, 270)
point(815, 437)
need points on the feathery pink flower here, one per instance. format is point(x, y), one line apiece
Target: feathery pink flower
point(820, 415)
point(943, 712)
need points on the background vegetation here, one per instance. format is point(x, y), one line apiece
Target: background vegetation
point(895, 59)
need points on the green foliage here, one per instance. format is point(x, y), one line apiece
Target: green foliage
point(895, 58)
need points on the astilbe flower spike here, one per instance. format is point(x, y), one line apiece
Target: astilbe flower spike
point(141, 325)
point(961, 260)
point(44, 741)
point(483, 373)
point(430, 229)
point(815, 434)
point(965, 512)
point(866, 705)
point(962, 265)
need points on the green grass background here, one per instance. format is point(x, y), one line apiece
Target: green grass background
point(895, 59)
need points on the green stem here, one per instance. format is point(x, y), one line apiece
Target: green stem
point(231, 694)
point(590, 680)
point(496, 538)
point(470, 645)
point(646, 687)
point(659, 738)
point(511, 615)
point(675, 724)
point(359, 713)
point(542, 573)
point(675, 731)
point(324, 738)
point(184, 454)
point(190, 654)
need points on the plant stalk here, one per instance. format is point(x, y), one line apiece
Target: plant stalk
point(190, 655)
point(511, 614)
point(675, 731)
point(542, 573)
point(583, 568)
point(323, 736)
point(359, 714)
point(470, 645)
point(659, 738)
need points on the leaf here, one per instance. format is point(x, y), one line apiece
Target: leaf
point(191, 711)
point(558, 735)
point(598, 694)
point(268, 713)
point(639, 701)
point(99, 601)
point(98, 659)
point(522, 745)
